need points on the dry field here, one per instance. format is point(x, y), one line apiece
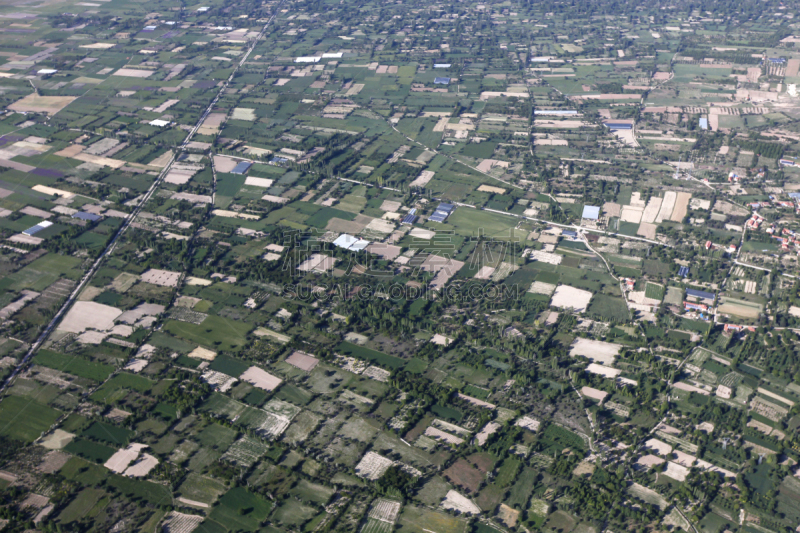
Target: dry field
point(460, 503)
point(372, 466)
point(597, 351)
point(647, 230)
point(570, 297)
point(163, 278)
point(303, 361)
point(33, 103)
point(85, 315)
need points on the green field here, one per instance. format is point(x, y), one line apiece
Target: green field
point(135, 489)
point(113, 435)
point(609, 307)
point(228, 365)
point(374, 356)
point(471, 222)
point(117, 387)
point(73, 364)
point(654, 291)
point(89, 502)
point(240, 509)
point(215, 332)
point(83, 471)
point(43, 272)
point(89, 450)
point(508, 471)
point(294, 394)
point(23, 419)
point(449, 413)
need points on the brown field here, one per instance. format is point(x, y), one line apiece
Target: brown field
point(465, 476)
point(681, 204)
point(483, 461)
point(303, 361)
point(647, 231)
point(792, 66)
point(490, 497)
point(34, 103)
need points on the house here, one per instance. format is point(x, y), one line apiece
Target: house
point(702, 296)
point(591, 212)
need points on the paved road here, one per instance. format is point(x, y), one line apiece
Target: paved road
point(132, 217)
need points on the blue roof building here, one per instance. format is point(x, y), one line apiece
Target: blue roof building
point(618, 125)
point(701, 294)
point(555, 112)
point(683, 272)
point(37, 228)
point(442, 212)
point(91, 217)
point(242, 167)
point(703, 123)
point(569, 233)
point(441, 81)
point(591, 212)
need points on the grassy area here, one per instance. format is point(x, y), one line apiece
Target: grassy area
point(113, 435)
point(508, 471)
point(43, 272)
point(89, 450)
point(23, 419)
point(609, 307)
point(471, 222)
point(240, 509)
point(116, 388)
point(374, 356)
point(215, 332)
point(448, 413)
point(228, 365)
point(89, 502)
point(73, 364)
point(654, 291)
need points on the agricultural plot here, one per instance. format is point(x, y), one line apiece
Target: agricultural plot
point(245, 452)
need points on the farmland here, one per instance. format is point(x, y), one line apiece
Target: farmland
point(409, 266)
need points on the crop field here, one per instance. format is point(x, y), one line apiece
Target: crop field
point(216, 436)
point(563, 437)
point(294, 394)
point(42, 273)
point(377, 526)
point(654, 291)
point(118, 386)
point(215, 332)
point(241, 509)
point(522, 489)
point(113, 435)
point(647, 495)
point(609, 307)
point(313, 492)
point(300, 340)
point(24, 419)
point(382, 359)
point(245, 452)
point(201, 489)
point(508, 472)
point(89, 502)
point(73, 364)
point(415, 519)
point(740, 308)
point(292, 513)
point(464, 475)
point(92, 451)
